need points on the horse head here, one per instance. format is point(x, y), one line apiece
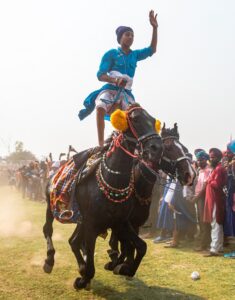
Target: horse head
point(176, 160)
point(140, 128)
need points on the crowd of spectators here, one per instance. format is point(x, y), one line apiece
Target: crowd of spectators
point(205, 210)
point(31, 177)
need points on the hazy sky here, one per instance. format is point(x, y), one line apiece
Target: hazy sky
point(50, 52)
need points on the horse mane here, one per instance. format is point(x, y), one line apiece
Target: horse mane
point(133, 105)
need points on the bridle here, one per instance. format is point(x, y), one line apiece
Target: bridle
point(137, 140)
point(174, 162)
point(142, 138)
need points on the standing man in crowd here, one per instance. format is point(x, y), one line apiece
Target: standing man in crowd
point(229, 224)
point(215, 202)
point(199, 198)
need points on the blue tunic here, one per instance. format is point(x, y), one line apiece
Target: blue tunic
point(115, 60)
point(229, 224)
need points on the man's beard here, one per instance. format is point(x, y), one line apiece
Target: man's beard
point(214, 163)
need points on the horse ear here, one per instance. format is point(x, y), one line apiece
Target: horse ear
point(158, 126)
point(176, 127)
point(164, 126)
point(176, 130)
point(119, 120)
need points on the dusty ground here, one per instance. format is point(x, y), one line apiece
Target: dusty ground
point(163, 274)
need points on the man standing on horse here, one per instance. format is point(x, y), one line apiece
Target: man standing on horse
point(117, 68)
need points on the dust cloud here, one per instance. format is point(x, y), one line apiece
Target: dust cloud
point(13, 217)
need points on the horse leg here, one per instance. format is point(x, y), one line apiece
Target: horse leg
point(129, 237)
point(130, 256)
point(48, 231)
point(89, 268)
point(127, 250)
point(76, 243)
point(113, 252)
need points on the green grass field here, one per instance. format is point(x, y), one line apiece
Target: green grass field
point(163, 274)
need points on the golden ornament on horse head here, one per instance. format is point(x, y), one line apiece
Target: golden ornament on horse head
point(158, 126)
point(119, 121)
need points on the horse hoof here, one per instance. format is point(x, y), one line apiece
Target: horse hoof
point(88, 287)
point(109, 266)
point(122, 269)
point(117, 269)
point(81, 283)
point(47, 268)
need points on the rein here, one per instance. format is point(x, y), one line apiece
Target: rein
point(117, 143)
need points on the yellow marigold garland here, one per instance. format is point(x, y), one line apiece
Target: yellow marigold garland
point(119, 120)
point(158, 126)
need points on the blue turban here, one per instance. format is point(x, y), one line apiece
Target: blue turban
point(120, 30)
point(198, 150)
point(231, 146)
point(202, 155)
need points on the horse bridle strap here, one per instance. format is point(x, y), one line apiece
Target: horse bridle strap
point(147, 136)
point(170, 137)
point(129, 122)
point(118, 139)
point(130, 139)
point(142, 137)
point(175, 161)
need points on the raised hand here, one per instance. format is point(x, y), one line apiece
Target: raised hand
point(153, 19)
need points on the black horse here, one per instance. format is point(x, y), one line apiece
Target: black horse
point(106, 198)
point(174, 162)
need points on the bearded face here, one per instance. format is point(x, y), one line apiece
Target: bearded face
point(214, 160)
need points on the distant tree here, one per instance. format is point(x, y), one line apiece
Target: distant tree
point(19, 146)
point(20, 154)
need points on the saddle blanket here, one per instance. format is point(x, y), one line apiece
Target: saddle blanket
point(61, 188)
point(63, 202)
